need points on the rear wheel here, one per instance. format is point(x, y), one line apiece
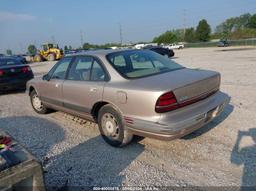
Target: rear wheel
point(51, 57)
point(37, 104)
point(112, 128)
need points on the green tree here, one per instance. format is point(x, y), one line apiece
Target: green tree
point(203, 31)
point(89, 46)
point(92, 46)
point(108, 45)
point(86, 46)
point(226, 27)
point(252, 22)
point(242, 21)
point(65, 47)
point(243, 34)
point(233, 24)
point(179, 34)
point(9, 52)
point(167, 37)
point(32, 49)
point(70, 47)
point(190, 35)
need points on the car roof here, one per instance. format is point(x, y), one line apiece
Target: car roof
point(153, 47)
point(100, 53)
point(8, 58)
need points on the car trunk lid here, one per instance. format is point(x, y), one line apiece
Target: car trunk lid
point(185, 83)
point(199, 88)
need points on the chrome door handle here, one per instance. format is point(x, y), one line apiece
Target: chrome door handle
point(93, 89)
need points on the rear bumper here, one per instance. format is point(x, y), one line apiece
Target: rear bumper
point(14, 84)
point(184, 121)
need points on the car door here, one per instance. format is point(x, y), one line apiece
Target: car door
point(51, 88)
point(84, 84)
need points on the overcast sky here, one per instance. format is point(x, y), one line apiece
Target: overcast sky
point(35, 22)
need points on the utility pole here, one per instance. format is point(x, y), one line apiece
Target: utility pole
point(35, 43)
point(53, 39)
point(184, 23)
point(121, 34)
point(81, 38)
point(21, 47)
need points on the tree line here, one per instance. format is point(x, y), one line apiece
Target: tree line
point(32, 50)
point(201, 33)
point(243, 26)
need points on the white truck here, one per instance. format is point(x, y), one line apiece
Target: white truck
point(141, 46)
point(174, 46)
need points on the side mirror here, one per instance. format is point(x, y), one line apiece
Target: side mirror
point(46, 77)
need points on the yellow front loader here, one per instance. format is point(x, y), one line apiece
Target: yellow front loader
point(49, 52)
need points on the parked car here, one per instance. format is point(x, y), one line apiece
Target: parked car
point(174, 46)
point(163, 51)
point(223, 43)
point(20, 58)
point(67, 52)
point(13, 74)
point(130, 92)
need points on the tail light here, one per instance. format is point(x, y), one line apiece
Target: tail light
point(26, 69)
point(1, 72)
point(166, 102)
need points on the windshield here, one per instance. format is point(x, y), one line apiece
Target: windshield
point(45, 47)
point(8, 61)
point(141, 63)
point(50, 46)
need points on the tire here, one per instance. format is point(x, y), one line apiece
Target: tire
point(38, 58)
point(37, 104)
point(51, 57)
point(171, 54)
point(112, 128)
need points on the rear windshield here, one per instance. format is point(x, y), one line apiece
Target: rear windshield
point(9, 61)
point(141, 63)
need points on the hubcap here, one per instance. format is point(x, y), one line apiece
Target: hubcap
point(110, 126)
point(37, 103)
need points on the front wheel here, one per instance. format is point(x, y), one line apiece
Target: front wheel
point(51, 57)
point(37, 104)
point(38, 58)
point(112, 128)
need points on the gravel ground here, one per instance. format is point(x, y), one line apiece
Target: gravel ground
point(73, 153)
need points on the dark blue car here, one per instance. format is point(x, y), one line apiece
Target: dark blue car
point(14, 74)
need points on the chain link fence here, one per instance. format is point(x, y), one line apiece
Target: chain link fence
point(242, 42)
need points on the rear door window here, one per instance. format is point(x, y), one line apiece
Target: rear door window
point(86, 68)
point(81, 68)
point(97, 73)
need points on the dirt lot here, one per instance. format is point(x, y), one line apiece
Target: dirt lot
point(74, 154)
